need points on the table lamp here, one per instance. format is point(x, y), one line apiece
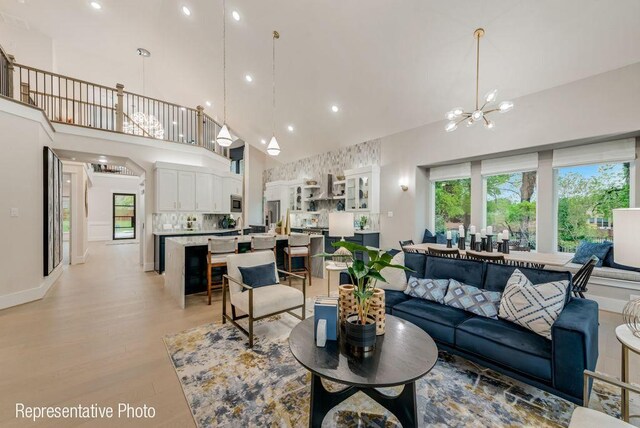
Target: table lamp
point(626, 250)
point(341, 224)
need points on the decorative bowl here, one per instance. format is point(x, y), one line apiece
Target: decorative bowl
point(340, 177)
point(311, 182)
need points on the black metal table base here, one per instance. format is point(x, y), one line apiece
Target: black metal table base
point(403, 406)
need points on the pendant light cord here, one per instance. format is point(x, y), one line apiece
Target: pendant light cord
point(224, 61)
point(273, 118)
point(477, 70)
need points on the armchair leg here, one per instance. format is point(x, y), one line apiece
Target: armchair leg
point(224, 299)
point(250, 332)
point(209, 283)
point(308, 267)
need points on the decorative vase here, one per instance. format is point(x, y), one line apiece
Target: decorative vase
point(483, 244)
point(376, 309)
point(278, 230)
point(346, 302)
point(631, 316)
point(361, 338)
point(505, 246)
point(489, 247)
point(472, 244)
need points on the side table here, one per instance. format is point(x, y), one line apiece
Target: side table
point(629, 342)
point(333, 267)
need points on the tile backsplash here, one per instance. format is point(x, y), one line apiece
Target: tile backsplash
point(178, 221)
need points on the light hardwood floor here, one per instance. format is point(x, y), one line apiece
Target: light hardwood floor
point(97, 338)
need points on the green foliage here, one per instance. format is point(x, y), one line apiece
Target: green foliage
point(453, 202)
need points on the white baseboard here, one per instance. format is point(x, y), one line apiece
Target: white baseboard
point(148, 267)
point(607, 303)
point(97, 238)
point(36, 293)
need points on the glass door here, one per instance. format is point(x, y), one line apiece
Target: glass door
point(363, 192)
point(351, 203)
point(124, 216)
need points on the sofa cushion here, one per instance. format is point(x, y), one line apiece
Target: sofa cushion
point(507, 344)
point(395, 278)
point(472, 299)
point(268, 300)
point(469, 272)
point(587, 249)
point(498, 275)
point(610, 262)
point(535, 307)
point(416, 262)
point(392, 298)
point(439, 321)
point(427, 289)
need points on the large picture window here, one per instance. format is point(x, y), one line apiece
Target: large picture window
point(511, 204)
point(452, 204)
point(586, 197)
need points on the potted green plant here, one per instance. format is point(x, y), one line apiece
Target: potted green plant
point(360, 327)
point(363, 222)
point(279, 227)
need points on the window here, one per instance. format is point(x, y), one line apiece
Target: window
point(511, 204)
point(124, 216)
point(452, 204)
point(586, 197)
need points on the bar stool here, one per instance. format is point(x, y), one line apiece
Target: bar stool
point(299, 246)
point(263, 243)
point(219, 249)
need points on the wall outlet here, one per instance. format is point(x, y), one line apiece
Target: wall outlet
point(389, 214)
point(15, 212)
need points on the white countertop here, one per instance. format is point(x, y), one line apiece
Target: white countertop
point(194, 241)
point(194, 232)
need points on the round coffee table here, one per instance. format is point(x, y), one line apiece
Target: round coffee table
point(402, 355)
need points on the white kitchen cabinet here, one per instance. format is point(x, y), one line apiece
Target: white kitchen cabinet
point(363, 189)
point(166, 190)
point(186, 191)
point(218, 194)
point(204, 192)
point(231, 185)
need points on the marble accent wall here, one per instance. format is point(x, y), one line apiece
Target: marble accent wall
point(318, 167)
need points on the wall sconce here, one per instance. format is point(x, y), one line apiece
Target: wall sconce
point(403, 185)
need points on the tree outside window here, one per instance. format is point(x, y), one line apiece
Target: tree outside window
point(587, 196)
point(452, 204)
point(511, 204)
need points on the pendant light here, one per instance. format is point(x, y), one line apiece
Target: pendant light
point(224, 137)
point(273, 148)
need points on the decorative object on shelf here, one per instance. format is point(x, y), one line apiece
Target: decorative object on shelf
point(287, 223)
point(363, 222)
point(311, 182)
point(483, 243)
point(224, 137)
point(340, 177)
point(489, 246)
point(472, 237)
point(626, 245)
point(361, 327)
point(341, 224)
point(340, 205)
point(461, 238)
point(273, 148)
point(480, 113)
point(279, 227)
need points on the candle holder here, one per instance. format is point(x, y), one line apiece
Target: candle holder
point(505, 246)
point(478, 246)
point(449, 243)
point(472, 243)
point(483, 244)
point(489, 245)
point(461, 243)
point(499, 247)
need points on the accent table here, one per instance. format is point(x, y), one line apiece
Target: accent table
point(629, 342)
point(402, 355)
point(333, 267)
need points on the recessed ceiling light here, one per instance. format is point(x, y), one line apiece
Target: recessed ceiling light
point(68, 181)
point(186, 10)
point(96, 5)
point(175, 123)
point(208, 103)
point(248, 78)
point(235, 15)
point(335, 108)
point(290, 128)
point(102, 160)
point(263, 141)
point(183, 108)
point(73, 158)
point(180, 135)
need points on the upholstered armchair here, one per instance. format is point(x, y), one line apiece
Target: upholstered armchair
point(262, 301)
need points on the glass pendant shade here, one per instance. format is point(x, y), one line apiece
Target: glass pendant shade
point(224, 137)
point(489, 124)
point(491, 96)
point(477, 115)
point(451, 126)
point(273, 148)
point(505, 106)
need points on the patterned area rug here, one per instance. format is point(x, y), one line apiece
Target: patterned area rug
point(228, 385)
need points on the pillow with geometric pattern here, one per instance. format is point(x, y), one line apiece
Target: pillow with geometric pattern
point(533, 306)
point(427, 289)
point(473, 299)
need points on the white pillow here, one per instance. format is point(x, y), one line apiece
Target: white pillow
point(533, 306)
point(396, 278)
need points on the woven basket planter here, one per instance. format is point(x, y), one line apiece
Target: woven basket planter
point(376, 310)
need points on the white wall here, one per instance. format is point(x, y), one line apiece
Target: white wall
point(29, 46)
point(22, 138)
point(100, 197)
point(255, 164)
point(605, 104)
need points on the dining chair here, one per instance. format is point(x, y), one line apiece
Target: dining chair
point(299, 247)
point(219, 249)
point(581, 278)
point(486, 257)
point(263, 243)
point(403, 244)
point(452, 253)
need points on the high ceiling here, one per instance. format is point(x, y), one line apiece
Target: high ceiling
point(388, 65)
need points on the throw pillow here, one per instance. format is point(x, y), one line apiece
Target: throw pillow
point(587, 249)
point(259, 275)
point(396, 279)
point(533, 306)
point(609, 261)
point(428, 289)
point(472, 299)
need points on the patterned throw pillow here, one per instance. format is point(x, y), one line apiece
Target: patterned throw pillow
point(533, 306)
point(428, 289)
point(472, 299)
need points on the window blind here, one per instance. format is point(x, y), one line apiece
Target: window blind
point(450, 172)
point(506, 165)
point(609, 152)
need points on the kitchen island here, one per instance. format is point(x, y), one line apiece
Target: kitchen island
point(186, 262)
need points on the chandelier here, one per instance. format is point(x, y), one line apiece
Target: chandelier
point(145, 125)
point(273, 148)
point(224, 137)
point(480, 113)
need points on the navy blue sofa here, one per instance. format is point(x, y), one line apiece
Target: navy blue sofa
point(555, 365)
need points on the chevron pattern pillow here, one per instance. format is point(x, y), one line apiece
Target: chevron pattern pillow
point(533, 306)
point(473, 299)
point(428, 289)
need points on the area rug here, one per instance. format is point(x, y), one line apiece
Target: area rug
point(228, 385)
